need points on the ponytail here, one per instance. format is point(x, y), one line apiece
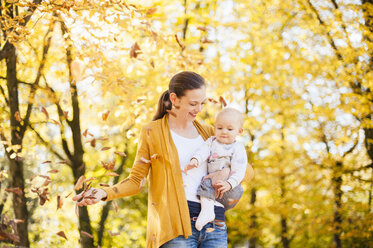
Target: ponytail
point(164, 104)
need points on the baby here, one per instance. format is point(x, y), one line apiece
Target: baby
point(226, 165)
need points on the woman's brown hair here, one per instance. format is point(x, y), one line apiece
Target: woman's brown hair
point(179, 84)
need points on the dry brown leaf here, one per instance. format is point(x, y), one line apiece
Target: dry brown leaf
point(68, 194)
point(155, 156)
point(85, 133)
point(105, 115)
point(111, 174)
point(104, 185)
point(142, 183)
point(56, 122)
point(178, 42)
point(222, 101)
point(62, 162)
point(45, 112)
point(79, 183)
point(145, 160)
point(66, 114)
point(140, 100)
point(204, 29)
point(122, 154)
point(53, 171)
point(86, 234)
point(47, 162)
point(77, 210)
point(90, 179)
point(151, 11)
point(62, 234)
point(113, 234)
point(59, 202)
point(17, 191)
point(44, 176)
point(205, 40)
point(115, 206)
point(109, 165)
point(233, 201)
point(17, 116)
point(135, 50)
point(105, 148)
point(46, 183)
point(212, 100)
point(152, 63)
point(93, 142)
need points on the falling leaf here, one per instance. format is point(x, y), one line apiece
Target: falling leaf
point(209, 229)
point(44, 176)
point(151, 11)
point(204, 29)
point(113, 234)
point(90, 179)
point(233, 201)
point(47, 162)
point(142, 183)
point(115, 206)
point(59, 202)
point(43, 196)
point(152, 63)
point(68, 194)
point(105, 115)
point(45, 112)
point(93, 142)
point(212, 100)
point(62, 234)
point(205, 40)
point(104, 185)
point(178, 42)
point(86, 234)
point(16, 191)
point(77, 210)
point(65, 114)
point(85, 133)
point(155, 156)
point(79, 183)
point(140, 100)
point(17, 116)
point(142, 159)
point(53, 171)
point(112, 174)
point(56, 122)
point(109, 165)
point(222, 101)
point(135, 50)
point(62, 162)
point(32, 178)
point(105, 148)
point(122, 154)
point(46, 182)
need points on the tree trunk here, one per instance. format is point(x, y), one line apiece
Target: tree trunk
point(337, 218)
point(284, 227)
point(253, 217)
point(16, 164)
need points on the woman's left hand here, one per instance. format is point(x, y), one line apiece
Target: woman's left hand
point(221, 187)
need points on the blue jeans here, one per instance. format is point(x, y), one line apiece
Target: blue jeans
point(201, 239)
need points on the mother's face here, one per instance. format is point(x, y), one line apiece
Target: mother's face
point(188, 106)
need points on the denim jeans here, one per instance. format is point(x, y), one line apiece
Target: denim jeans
point(201, 239)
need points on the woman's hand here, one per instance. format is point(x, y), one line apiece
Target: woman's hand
point(89, 197)
point(221, 188)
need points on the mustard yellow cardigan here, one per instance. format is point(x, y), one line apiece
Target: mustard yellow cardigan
point(157, 159)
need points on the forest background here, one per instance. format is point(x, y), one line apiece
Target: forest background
point(79, 78)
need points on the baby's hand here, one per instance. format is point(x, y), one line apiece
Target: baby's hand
point(221, 188)
point(192, 164)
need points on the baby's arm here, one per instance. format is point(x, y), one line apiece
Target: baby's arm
point(201, 155)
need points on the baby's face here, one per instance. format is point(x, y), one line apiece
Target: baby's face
point(227, 127)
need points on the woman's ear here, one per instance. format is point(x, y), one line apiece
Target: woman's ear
point(174, 100)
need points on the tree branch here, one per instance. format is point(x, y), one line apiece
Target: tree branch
point(47, 144)
point(4, 95)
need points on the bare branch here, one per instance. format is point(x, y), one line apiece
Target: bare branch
point(369, 166)
point(4, 95)
point(48, 145)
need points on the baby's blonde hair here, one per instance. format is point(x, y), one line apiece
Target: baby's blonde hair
point(231, 111)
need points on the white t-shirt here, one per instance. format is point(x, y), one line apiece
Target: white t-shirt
point(186, 148)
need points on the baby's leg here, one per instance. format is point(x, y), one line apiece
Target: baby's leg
point(207, 196)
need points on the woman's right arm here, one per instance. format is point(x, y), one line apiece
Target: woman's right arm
point(127, 187)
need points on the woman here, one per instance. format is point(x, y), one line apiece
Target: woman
point(165, 146)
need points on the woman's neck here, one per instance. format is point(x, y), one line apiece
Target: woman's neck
point(179, 123)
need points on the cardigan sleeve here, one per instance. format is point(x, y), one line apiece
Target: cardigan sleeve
point(134, 183)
